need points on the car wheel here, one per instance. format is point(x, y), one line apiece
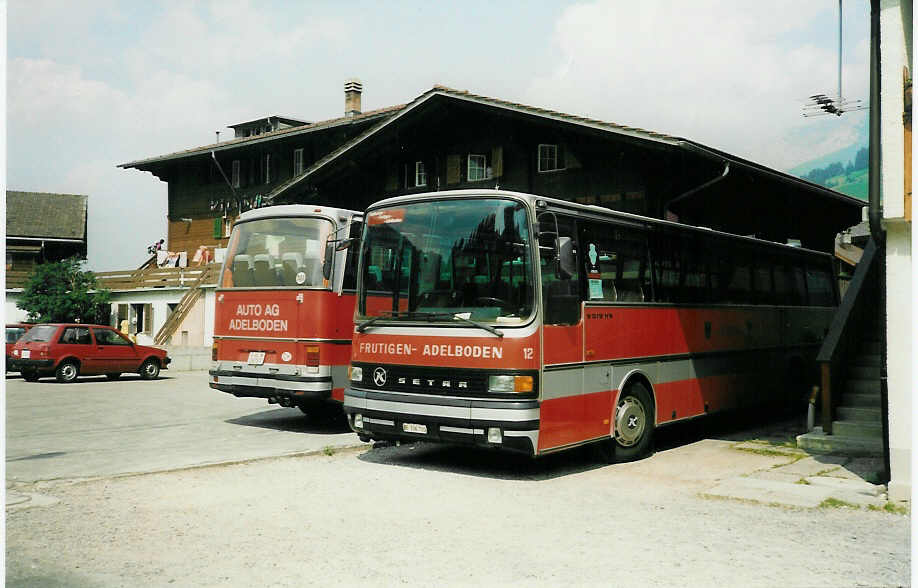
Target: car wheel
point(149, 370)
point(67, 372)
point(634, 423)
point(30, 375)
point(114, 376)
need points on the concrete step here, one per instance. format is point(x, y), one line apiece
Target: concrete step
point(860, 400)
point(864, 372)
point(857, 429)
point(859, 414)
point(818, 442)
point(855, 386)
point(867, 359)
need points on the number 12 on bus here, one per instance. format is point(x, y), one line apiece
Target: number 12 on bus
point(531, 324)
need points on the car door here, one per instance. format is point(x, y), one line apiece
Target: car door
point(115, 352)
point(76, 342)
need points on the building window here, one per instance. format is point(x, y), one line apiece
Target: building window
point(477, 169)
point(297, 162)
point(267, 168)
point(236, 172)
point(548, 158)
point(420, 174)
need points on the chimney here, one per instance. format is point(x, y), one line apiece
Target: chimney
point(352, 90)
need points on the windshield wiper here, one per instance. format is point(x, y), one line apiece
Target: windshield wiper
point(426, 315)
point(431, 315)
point(370, 322)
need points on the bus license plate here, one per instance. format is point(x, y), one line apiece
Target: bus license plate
point(413, 428)
point(256, 357)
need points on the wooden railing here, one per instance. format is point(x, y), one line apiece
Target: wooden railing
point(153, 277)
point(841, 342)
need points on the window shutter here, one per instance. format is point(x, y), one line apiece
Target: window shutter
point(218, 228)
point(497, 161)
point(453, 163)
point(147, 318)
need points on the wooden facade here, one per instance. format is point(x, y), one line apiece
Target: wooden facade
point(450, 140)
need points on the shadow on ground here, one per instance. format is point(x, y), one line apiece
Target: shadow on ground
point(291, 419)
point(475, 461)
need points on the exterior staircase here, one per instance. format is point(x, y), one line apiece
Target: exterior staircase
point(184, 307)
point(858, 427)
point(851, 371)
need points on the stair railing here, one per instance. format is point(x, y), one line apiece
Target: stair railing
point(840, 344)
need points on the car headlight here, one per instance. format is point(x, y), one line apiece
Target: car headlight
point(510, 384)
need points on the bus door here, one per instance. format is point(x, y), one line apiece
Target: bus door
point(562, 410)
point(617, 270)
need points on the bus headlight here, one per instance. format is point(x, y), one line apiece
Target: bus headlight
point(510, 384)
point(355, 373)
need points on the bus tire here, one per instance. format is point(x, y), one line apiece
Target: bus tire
point(632, 438)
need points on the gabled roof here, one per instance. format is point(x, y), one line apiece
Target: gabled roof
point(44, 215)
point(287, 132)
point(633, 133)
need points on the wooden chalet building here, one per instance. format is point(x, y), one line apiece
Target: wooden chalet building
point(40, 227)
point(447, 139)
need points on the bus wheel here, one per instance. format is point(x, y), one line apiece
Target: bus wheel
point(633, 423)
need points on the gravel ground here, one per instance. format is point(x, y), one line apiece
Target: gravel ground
point(433, 515)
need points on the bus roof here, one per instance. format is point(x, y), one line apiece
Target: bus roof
point(298, 210)
point(588, 209)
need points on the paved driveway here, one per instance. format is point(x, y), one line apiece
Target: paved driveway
point(97, 428)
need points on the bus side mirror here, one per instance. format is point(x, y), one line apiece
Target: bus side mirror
point(346, 243)
point(567, 265)
point(329, 256)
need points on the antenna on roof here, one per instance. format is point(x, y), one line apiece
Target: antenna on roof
point(820, 104)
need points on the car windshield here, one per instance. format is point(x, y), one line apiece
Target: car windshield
point(276, 252)
point(448, 260)
point(40, 334)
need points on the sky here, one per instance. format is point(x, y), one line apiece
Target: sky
point(97, 83)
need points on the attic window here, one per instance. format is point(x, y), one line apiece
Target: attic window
point(477, 169)
point(548, 158)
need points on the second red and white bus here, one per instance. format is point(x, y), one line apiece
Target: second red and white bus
point(531, 324)
point(285, 307)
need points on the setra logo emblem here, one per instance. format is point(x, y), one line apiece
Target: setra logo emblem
point(379, 376)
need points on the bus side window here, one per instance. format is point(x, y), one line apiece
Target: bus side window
point(667, 267)
point(615, 261)
point(560, 296)
point(764, 289)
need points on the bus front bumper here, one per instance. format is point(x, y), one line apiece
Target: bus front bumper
point(510, 425)
point(285, 389)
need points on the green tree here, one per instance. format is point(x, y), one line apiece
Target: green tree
point(62, 291)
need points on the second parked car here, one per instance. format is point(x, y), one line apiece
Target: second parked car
point(70, 350)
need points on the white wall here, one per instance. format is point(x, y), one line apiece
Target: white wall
point(12, 314)
point(899, 298)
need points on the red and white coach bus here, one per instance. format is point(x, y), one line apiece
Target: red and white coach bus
point(532, 324)
point(285, 307)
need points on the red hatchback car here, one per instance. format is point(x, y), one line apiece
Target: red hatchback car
point(69, 350)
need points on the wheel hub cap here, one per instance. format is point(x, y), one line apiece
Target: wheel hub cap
point(629, 421)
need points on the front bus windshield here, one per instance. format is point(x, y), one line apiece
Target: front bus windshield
point(449, 259)
point(276, 252)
